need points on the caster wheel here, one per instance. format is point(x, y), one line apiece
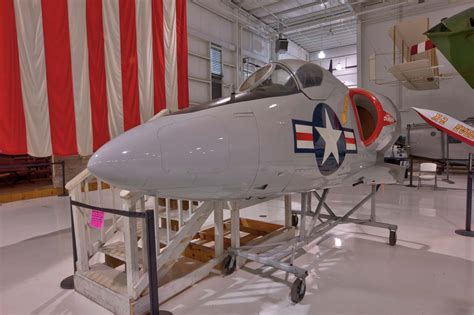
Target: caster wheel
point(294, 220)
point(298, 290)
point(229, 265)
point(392, 240)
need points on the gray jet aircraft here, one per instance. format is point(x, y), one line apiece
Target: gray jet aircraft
point(291, 127)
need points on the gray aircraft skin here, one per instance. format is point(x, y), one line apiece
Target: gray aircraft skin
point(291, 127)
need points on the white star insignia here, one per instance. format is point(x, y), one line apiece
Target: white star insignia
point(330, 136)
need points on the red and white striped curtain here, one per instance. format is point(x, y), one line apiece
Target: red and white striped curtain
point(76, 73)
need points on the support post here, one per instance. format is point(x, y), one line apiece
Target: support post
point(470, 178)
point(372, 203)
point(102, 236)
point(68, 283)
point(448, 165)
point(151, 259)
point(63, 175)
point(288, 213)
point(131, 248)
point(156, 210)
point(168, 220)
point(304, 208)
point(144, 235)
point(80, 229)
point(180, 213)
point(409, 154)
point(218, 228)
point(235, 227)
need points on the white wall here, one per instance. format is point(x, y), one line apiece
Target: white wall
point(211, 21)
point(346, 56)
point(454, 97)
point(294, 52)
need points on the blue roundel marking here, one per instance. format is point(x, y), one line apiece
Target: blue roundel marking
point(329, 140)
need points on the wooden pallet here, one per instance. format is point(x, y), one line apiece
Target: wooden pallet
point(202, 247)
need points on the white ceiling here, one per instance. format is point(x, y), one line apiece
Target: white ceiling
point(318, 24)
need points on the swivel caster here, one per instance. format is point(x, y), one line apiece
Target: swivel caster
point(392, 240)
point(229, 264)
point(298, 290)
point(294, 220)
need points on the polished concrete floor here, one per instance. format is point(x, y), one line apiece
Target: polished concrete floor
point(352, 270)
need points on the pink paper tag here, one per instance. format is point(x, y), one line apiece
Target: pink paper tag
point(97, 219)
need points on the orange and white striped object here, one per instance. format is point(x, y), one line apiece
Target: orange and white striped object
point(453, 127)
point(76, 73)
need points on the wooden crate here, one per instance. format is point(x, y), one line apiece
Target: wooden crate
point(202, 247)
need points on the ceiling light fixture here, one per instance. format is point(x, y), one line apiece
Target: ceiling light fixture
point(321, 55)
point(338, 66)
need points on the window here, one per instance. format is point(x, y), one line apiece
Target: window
point(273, 80)
point(279, 81)
point(310, 75)
point(216, 72)
point(250, 65)
point(216, 61)
point(255, 77)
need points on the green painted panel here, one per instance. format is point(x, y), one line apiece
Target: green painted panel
point(454, 37)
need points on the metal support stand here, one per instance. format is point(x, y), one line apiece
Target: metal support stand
point(63, 177)
point(372, 203)
point(470, 175)
point(411, 173)
point(152, 266)
point(447, 180)
point(278, 256)
point(68, 282)
point(409, 154)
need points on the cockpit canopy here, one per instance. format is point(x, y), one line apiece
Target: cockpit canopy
point(280, 78)
point(288, 77)
point(272, 79)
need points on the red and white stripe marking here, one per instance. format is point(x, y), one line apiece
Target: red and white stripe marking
point(350, 140)
point(75, 73)
point(304, 137)
point(421, 47)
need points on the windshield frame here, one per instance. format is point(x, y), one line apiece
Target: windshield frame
point(270, 70)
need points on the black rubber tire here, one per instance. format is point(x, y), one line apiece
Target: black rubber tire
point(294, 220)
point(229, 266)
point(392, 239)
point(298, 290)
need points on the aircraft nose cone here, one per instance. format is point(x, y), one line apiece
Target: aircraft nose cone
point(127, 160)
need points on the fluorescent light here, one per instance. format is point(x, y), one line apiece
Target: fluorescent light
point(321, 55)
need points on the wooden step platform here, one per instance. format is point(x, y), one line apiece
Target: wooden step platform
point(107, 286)
point(106, 283)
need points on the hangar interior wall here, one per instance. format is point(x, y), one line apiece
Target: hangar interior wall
point(214, 23)
point(454, 97)
point(346, 56)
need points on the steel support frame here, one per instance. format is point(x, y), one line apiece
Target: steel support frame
point(278, 256)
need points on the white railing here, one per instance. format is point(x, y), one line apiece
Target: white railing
point(89, 244)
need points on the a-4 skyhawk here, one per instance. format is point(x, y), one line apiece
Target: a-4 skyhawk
point(291, 127)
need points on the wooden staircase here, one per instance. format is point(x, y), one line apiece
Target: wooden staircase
point(112, 262)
